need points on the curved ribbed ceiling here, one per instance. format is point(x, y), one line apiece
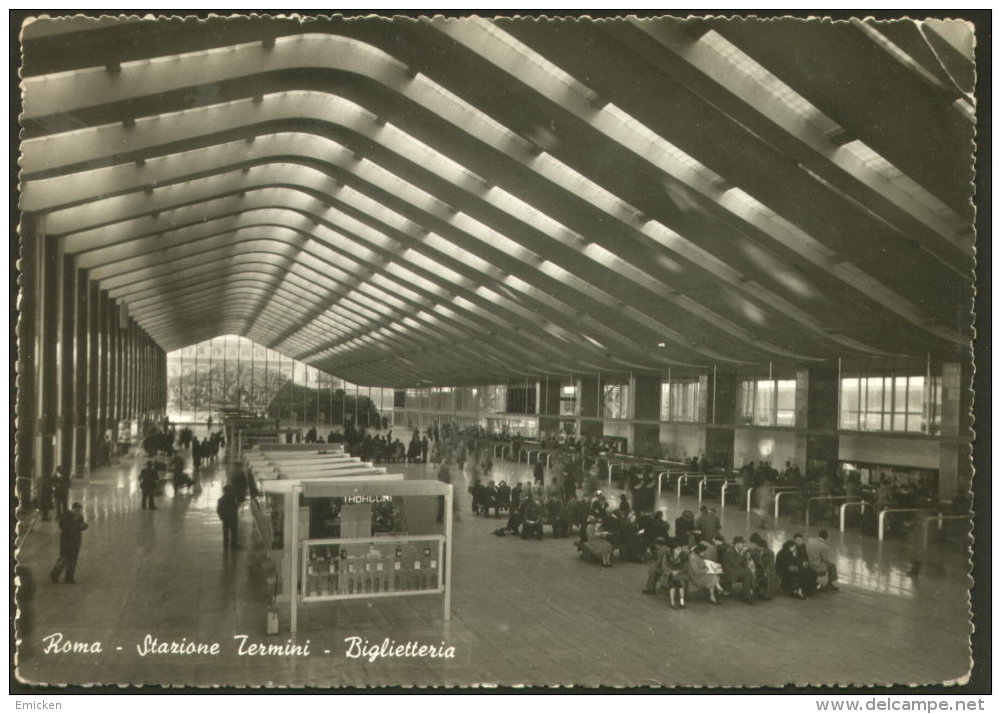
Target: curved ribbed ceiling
point(454, 201)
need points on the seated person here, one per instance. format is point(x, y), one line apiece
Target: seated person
point(531, 517)
point(489, 499)
point(503, 498)
point(597, 543)
point(575, 512)
point(660, 527)
point(737, 569)
point(685, 530)
point(477, 491)
point(629, 541)
point(790, 570)
point(656, 568)
point(764, 566)
point(702, 575)
point(675, 576)
point(599, 506)
point(555, 515)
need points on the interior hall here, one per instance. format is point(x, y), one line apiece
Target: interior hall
point(412, 351)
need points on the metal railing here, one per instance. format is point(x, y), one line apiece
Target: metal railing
point(683, 479)
point(660, 479)
point(819, 498)
point(940, 518)
point(882, 515)
point(775, 489)
point(715, 479)
point(780, 494)
point(845, 506)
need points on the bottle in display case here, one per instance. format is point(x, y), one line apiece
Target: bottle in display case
point(433, 568)
point(426, 568)
point(374, 564)
point(398, 569)
point(414, 581)
point(331, 571)
point(352, 576)
point(311, 580)
point(342, 574)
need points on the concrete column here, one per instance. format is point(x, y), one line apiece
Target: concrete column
point(114, 372)
point(67, 361)
point(27, 359)
point(589, 422)
point(104, 365)
point(549, 405)
point(955, 472)
point(81, 373)
point(145, 376)
point(644, 439)
point(721, 410)
point(47, 374)
point(128, 364)
point(93, 432)
point(817, 391)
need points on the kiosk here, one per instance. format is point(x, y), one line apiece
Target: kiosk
point(358, 536)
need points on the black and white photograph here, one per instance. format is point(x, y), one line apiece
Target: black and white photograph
point(488, 351)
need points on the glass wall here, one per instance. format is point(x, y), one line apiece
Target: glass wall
point(615, 401)
point(766, 402)
point(683, 399)
point(233, 374)
point(891, 403)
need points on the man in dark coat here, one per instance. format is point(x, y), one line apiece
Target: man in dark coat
point(72, 526)
point(539, 473)
point(228, 509)
point(736, 570)
point(147, 484)
point(503, 496)
point(686, 532)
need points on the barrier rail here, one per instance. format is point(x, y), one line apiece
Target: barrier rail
point(660, 477)
point(778, 498)
point(706, 479)
point(500, 446)
point(819, 498)
point(882, 515)
point(775, 490)
point(941, 518)
point(722, 495)
point(683, 479)
point(845, 506)
point(612, 466)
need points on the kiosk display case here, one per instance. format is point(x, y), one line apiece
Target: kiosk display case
point(346, 568)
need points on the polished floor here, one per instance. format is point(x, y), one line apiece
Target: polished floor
point(523, 612)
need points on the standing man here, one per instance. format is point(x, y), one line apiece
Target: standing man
point(72, 526)
point(147, 484)
point(228, 509)
point(820, 560)
point(61, 491)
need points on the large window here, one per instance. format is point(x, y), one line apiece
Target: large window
point(891, 403)
point(233, 374)
point(615, 401)
point(766, 402)
point(683, 400)
point(568, 400)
